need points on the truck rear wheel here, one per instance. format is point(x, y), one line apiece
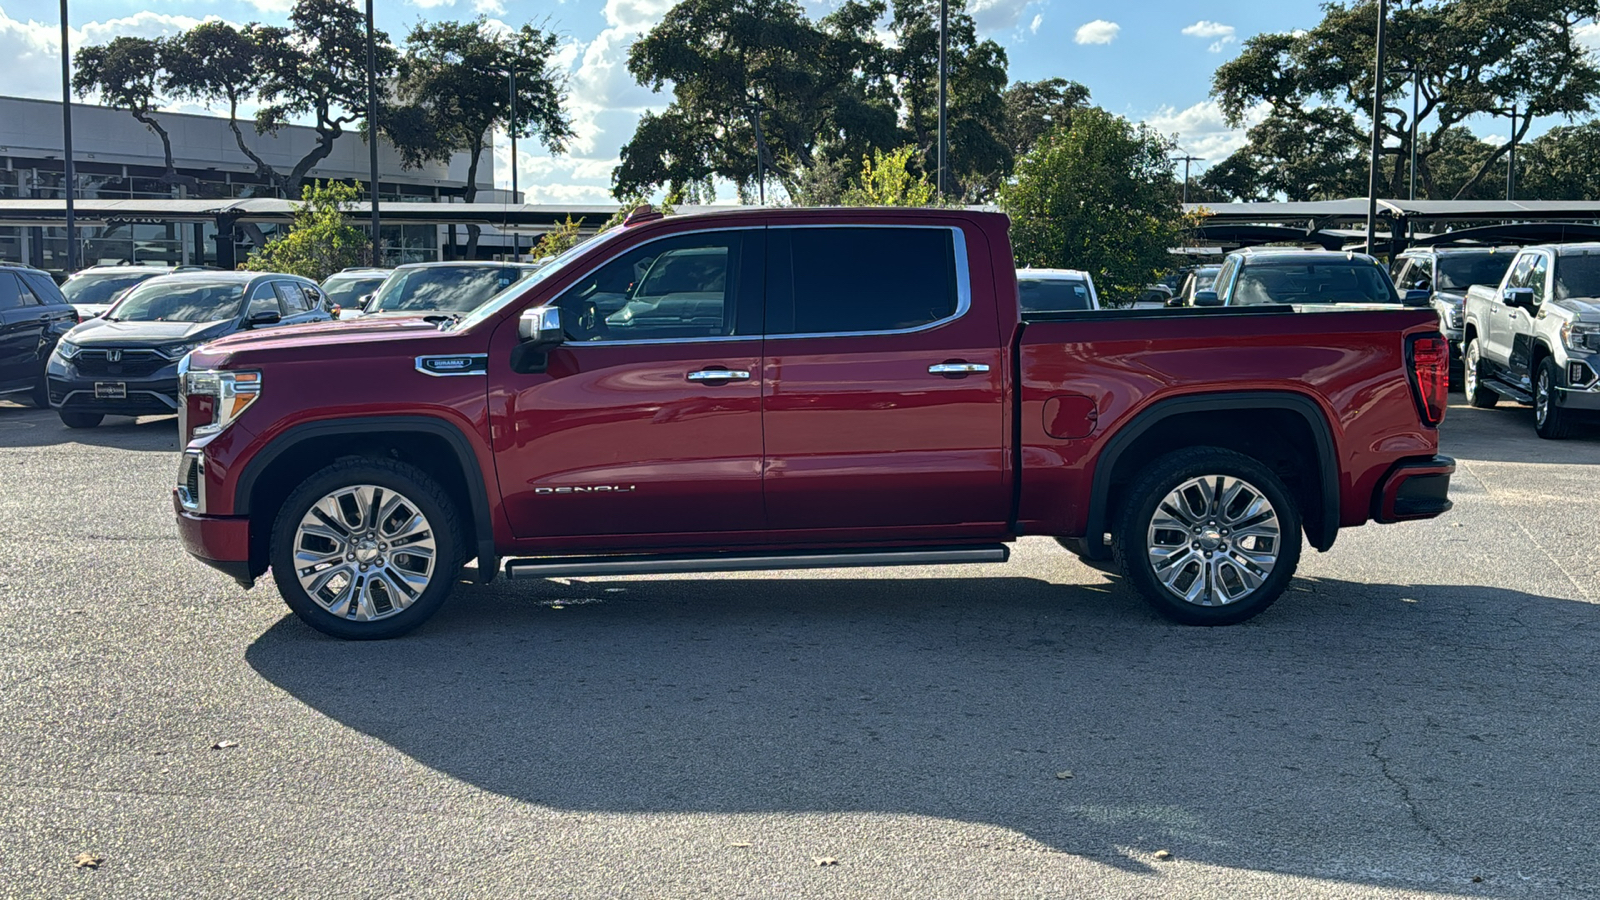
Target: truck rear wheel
point(366, 549)
point(1472, 377)
point(1208, 536)
point(1550, 420)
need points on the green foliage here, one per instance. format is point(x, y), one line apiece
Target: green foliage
point(1476, 57)
point(887, 180)
point(560, 239)
point(127, 73)
point(1100, 196)
point(320, 242)
point(1033, 109)
point(666, 207)
point(216, 62)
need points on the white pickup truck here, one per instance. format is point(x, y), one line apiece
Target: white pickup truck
point(1535, 338)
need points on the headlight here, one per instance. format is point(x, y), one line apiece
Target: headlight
point(1581, 335)
point(1452, 317)
point(178, 351)
point(211, 401)
point(67, 349)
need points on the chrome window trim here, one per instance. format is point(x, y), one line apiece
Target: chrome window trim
point(483, 358)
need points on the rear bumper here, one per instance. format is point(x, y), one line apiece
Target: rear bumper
point(1415, 489)
point(221, 542)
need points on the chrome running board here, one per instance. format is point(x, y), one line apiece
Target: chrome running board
point(665, 564)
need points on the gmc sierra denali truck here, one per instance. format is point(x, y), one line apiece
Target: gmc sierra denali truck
point(768, 389)
point(1535, 338)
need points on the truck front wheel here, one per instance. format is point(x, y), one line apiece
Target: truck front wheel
point(1550, 420)
point(366, 549)
point(1472, 377)
point(1208, 536)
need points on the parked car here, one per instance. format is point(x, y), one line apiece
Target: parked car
point(1446, 273)
point(1316, 279)
point(1056, 290)
point(348, 291)
point(126, 361)
point(853, 388)
point(92, 291)
point(450, 288)
point(33, 317)
point(1203, 278)
point(1535, 337)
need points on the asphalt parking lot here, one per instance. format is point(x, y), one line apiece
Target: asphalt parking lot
point(1416, 718)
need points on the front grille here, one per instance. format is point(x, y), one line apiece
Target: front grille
point(133, 364)
point(1592, 341)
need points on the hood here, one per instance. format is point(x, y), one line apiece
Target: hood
point(1584, 308)
point(1453, 298)
point(313, 339)
point(98, 332)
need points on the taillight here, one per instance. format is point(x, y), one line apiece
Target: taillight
point(1430, 376)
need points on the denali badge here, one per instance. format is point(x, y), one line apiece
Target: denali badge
point(586, 489)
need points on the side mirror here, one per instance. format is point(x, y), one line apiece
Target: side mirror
point(262, 319)
point(1416, 298)
point(366, 300)
point(1207, 298)
point(1174, 303)
point(1520, 297)
point(540, 331)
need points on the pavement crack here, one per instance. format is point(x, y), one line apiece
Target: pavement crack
point(1375, 750)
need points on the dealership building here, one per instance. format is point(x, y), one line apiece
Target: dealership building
point(218, 208)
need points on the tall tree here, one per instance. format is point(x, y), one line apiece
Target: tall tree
point(1101, 195)
point(1560, 164)
point(1474, 58)
point(216, 62)
point(454, 89)
point(976, 116)
point(127, 73)
point(1036, 108)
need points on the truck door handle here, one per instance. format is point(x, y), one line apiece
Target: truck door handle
point(958, 368)
point(719, 375)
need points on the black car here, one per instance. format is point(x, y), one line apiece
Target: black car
point(33, 317)
point(126, 362)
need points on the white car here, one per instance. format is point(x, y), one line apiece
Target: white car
point(1056, 290)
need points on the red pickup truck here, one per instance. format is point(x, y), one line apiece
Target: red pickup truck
point(790, 388)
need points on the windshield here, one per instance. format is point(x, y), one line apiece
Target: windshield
point(1578, 276)
point(1053, 295)
point(1459, 271)
point(550, 268)
point(346, 291)
point(185, 301)
point(1204, 279)
point(1319, 281)
point(102, 289)
point(457, 289)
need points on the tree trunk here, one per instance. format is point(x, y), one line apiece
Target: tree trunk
point(324, 148)
point(263, 170)
point(171, 176)
point(471, 195)
point(1494, 158)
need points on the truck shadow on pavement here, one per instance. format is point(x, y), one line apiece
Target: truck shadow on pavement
point(1408, 736)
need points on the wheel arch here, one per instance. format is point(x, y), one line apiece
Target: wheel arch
point(1141, 440)
point(435, 445)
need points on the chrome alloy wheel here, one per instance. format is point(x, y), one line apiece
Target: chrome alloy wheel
point(1541, 396)
point(1469, 370)
point(364, 552)
point(1213, 540)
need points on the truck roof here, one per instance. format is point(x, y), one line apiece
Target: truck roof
point(1265, 254)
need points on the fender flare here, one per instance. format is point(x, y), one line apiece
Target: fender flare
point(1321, 533)
point(466, 457)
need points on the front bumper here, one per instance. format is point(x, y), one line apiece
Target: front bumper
point(1415, 489)
point(147, 392)
point(221, 542)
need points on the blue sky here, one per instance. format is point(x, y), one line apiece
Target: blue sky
point(1150, 60)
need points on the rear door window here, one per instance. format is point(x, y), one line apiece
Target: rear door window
point(10, 292)
point(44, 288)
point(859, 280)
point(294, 297)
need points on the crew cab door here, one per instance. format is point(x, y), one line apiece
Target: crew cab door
point(1505, 319)
point(884, 383)
point(648, 418)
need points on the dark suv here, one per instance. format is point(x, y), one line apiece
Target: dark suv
point(33, 317)
point(126, 361)
point(1446, 273)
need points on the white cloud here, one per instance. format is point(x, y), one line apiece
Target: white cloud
point(1033, 27)
point(997, 15)
point(1097, 32)
point(32, 49)
point(1224, 34)
point(280, 7)
point(1588, 36)
point(1201, 130)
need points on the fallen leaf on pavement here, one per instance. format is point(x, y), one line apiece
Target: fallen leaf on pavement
point(89, 861)
point(1064, 775)
point(1163, 854)
point(223, 745)
point(740, 844)
point(825, 861)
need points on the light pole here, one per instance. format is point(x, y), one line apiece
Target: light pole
point(372, 134)
point(944, 78)
point(1186, 159)
point(69, 177)
point(1511, 160)
point(761, 157)
point(1416, 93)
point(511, 126)
point(1377, 133)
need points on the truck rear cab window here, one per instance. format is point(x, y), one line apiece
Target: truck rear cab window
point(676, 288)
point(858, 280)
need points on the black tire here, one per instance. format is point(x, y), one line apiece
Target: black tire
point(40, 395)
point(1472, 377)
point(1132, 537)
point(80, 419)
point(413, 485)
point(1550, 420)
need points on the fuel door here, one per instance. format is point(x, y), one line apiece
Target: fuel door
point(1068, 416)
